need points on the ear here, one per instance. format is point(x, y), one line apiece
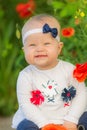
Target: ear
point(60, 46)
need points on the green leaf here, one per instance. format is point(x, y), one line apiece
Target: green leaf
point(68, 10)
point(57, 5)
point(18, 35)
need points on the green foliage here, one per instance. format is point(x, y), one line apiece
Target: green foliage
point(74, 47)
point(12, 59)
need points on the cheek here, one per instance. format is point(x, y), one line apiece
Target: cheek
point(28, 57)
point(54, 51)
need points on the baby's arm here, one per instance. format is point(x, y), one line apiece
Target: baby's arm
point(78, 106)
point(29, 110)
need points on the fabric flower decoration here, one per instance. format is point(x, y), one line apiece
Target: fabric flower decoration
point(37, 97)
point(25, 9)
point(68, 32)
point(68, 94)
point(80, 72)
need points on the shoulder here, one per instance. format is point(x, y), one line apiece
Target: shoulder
point(26, 72)
point(27, 69)
point(24, 78)
point(67, 66)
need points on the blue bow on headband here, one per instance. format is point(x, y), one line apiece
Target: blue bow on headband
point(47, 28)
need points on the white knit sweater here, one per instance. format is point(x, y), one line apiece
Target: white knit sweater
point(51, 84)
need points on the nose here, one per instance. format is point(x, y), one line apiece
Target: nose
point(40, 48)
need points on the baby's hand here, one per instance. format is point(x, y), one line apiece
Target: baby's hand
point(70, 125)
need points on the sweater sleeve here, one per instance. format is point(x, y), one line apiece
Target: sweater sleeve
point(31, 112)
point(79, 103)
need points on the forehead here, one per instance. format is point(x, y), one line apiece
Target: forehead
point(40, 38)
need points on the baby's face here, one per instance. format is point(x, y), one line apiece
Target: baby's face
point(42, 50)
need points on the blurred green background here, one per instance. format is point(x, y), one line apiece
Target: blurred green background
point(70, 13)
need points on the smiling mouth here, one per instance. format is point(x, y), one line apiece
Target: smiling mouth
point(40, 56)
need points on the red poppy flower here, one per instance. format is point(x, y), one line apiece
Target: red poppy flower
point(80, 72)
point(68, 32)
point(25, 9)
point(37, 97)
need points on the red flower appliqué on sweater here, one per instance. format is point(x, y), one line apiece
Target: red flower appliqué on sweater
point(37, 97)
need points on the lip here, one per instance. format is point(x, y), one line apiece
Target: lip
point(40, 56)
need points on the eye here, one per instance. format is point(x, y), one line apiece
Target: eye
point(47, 43)
point(32, 44)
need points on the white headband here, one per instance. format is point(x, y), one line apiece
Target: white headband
point(38, 30)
